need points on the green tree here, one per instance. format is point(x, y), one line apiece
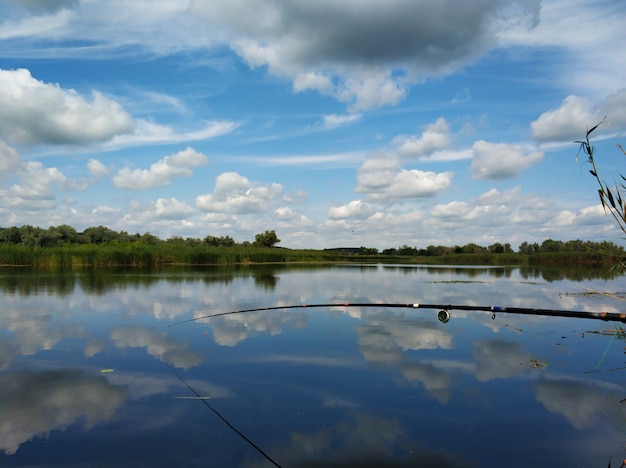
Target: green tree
point(67, 234)
point(99, 234)
point(225, 241)
point(496, 248)
point(266, 239)
point(526, 248)
point(10, 235)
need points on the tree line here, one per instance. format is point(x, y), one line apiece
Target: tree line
point(526, 248)
point(64, 235)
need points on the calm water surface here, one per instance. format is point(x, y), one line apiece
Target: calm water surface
point(90, 364)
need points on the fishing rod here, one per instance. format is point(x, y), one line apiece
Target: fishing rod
point(219, 415)
point(443, 311)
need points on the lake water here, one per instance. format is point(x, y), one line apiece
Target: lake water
point(94, 370)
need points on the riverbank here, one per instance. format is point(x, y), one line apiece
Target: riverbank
point(145, 255)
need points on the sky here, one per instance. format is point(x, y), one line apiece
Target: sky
point(336, 124)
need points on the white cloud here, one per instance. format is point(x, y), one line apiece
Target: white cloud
point(569, 122)
point(584, 404)
point(157, 345)
point(233, 329)
point(10, 160)
point(336, 47)
point(36, 403)
point(33, 112)
point(36, 190)
point(377, 172)
point(151, 133)
point(449, 155)
point(171, 208)
point(435, 137)
point(453, 210)
point(590, 215)
point(336, 160)
point(356, 209)
point(97, 169)
point(381, 181)
point(160, 173)
point(576, 115)
point(236, 194)
point(497, 161)
point(584, 34)
point(335, 120)
point(499, 359)
point(52, 25)
point(287, 218)
point(299, 196)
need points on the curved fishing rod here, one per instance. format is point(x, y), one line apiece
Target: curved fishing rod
point(219, 415)
point(443, 314)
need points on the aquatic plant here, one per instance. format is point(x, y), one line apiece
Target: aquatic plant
point(612, 198)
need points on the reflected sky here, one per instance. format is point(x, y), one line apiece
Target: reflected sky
point(89, 366)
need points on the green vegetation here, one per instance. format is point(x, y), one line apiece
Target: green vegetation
point(612, 199)
point(63, 246)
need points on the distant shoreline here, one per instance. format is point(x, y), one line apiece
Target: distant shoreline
point(145, 255)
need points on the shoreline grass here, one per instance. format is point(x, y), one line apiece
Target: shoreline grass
point(145, 255)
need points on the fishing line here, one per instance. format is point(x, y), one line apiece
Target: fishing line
point(443, 314)
point(217, 413)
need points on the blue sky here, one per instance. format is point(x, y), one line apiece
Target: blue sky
point(354, 123)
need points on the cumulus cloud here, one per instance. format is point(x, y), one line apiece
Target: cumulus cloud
point(160, 173)
point(236, 194)
point(35, 403)
point(391, 332)
point(33, 112)
point(576, 115)
point(384, 340)
point(10, 160)
point(589, 215)
point(377, 172)
point(157, 345)
point(568, 122)
point(231, 330)
point(287, 218)
point(518, 217)
point(390, 184)
point(166, 213)
point(498, 161)
point(171, 208)
point(435, 137)
point(494, 207)
point(36, 190)
point(383, 179)
point(583, 404)
point(362, 53)
point(348, 50)
point(97, 169)
point(356, 209)
point(499, 359)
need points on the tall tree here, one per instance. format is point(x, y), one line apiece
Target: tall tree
point(266, 239)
